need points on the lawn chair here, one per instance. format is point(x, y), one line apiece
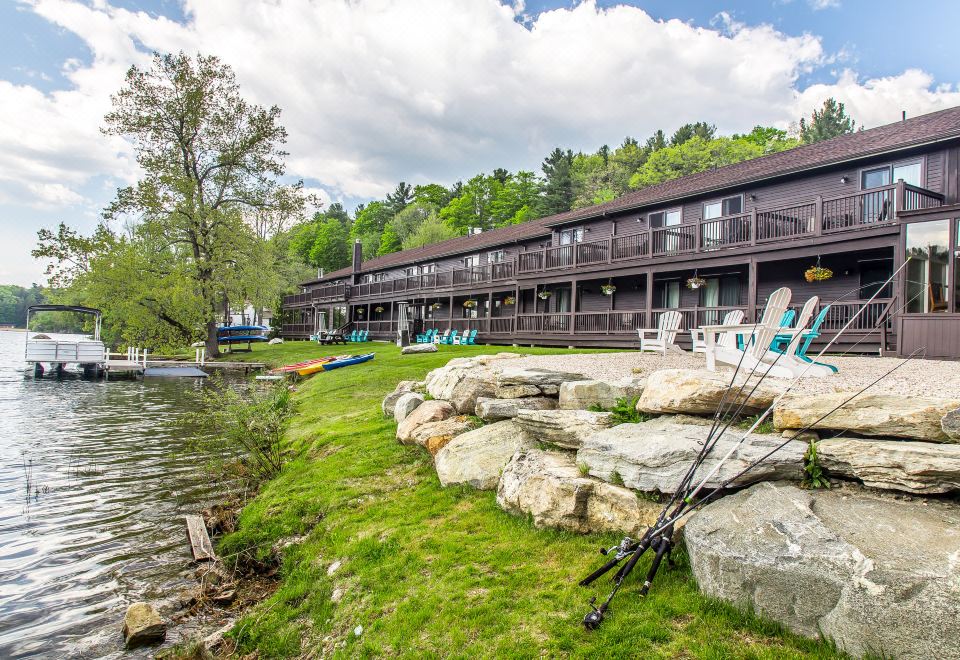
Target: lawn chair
point(782, 341)
point(758, 338)
point(364, 334)
point(734, 317)
point(441, 339)
point(352, 336)
point(666, 333)
point(449, 339)
point(426, 337)
point(466, 339)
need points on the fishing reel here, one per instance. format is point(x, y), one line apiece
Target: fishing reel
point(624, 548)
point(594, 618)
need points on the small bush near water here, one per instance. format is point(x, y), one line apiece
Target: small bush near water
point(624, 411)
point(243, 427)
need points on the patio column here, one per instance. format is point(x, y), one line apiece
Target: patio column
point(752, 291)
point(648, 301)
point(450, 313)
point(489, 311)
point(573, 303)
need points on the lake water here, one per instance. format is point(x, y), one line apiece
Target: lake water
point(102, 523)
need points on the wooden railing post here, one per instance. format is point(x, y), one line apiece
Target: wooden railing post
point(753, 226)
point(818, 216)
point(900, 202)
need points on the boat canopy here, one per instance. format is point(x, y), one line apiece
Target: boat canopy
point(64, 308)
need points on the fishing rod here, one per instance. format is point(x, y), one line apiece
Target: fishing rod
point(659, 537)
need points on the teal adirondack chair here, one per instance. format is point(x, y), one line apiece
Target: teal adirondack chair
point(363, 336)
point(808, 337)
point(427, 337)
point(467, 338)
point(352, 336)
point(448, 339)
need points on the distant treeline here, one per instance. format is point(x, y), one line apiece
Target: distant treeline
point(413, 216)
point(14, 301)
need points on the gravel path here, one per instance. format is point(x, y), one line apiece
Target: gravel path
point(917, 378)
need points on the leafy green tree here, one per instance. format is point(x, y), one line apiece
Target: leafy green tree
point(656, 142)
point(558, 191)
point(371, 219)
point(336, 212)
point(828, 122)
point(472, 209)
point(694, 155)
point(431, 230)
point(432, 193)
point(331, 246)
point(405, 223)
point(769, 139)
point(207, 157)
point(389, 241)
point(516, 199)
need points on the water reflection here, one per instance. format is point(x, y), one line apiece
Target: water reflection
point(101, 524)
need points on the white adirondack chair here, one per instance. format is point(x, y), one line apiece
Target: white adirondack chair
point(789, 356)
point(757, 340)
point(734, 317)
point(666, 333)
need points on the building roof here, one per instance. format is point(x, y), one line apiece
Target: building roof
point(924, 129)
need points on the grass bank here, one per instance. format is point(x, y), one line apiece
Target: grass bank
point(436, 572)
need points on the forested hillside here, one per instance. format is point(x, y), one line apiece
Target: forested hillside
point(14, 301)
point(412, 216)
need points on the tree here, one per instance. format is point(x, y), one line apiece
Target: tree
point(521, 192)
point(400, 197)
point(472, 208)
point(558, 184)
point(206, 156)
point(389, 241)
point(336, 212)
point(656, 142)
point(370, 219)
point(331, 246)
point(700, 129)
point(431, 230)
point(432, 193)
point(694, 155)
point(829, 122)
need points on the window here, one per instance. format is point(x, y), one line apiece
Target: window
point(410, 271)
point(572, 235)
point(471, 261)
point(877, 177)
point(723, 291)
point(495, 256)
point(723, 207)
point(427, 269)
point(872, 276)
point(927, 270)
point(667, 218)
point(668, 294)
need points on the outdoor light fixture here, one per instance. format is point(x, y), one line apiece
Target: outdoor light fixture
point(753, 197)
point(844, 179)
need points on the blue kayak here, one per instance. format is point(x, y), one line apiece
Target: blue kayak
point(346, 362)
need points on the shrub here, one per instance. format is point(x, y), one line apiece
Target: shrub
point(813, 473)
point(624, 411)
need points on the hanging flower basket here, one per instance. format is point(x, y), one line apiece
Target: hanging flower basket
point(359, 311)
point(436, 305)
point(509, 300)
point(817, 274)
point(543, 295)
point(378, 309)
point(695, 282)
point(608, 289)
point(469, 304)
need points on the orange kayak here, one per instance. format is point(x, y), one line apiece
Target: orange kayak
point(300, 365)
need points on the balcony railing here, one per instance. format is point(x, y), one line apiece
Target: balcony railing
point(860, 210)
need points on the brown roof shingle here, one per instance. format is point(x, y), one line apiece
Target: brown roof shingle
point(936, 126)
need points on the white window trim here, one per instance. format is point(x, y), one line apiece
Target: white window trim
point(720, 201)
point(679, 209)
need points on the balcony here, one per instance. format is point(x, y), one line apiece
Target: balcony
point(862, 210)
point(328, 293)
point(473, 276)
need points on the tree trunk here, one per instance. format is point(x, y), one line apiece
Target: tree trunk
point(212, 346)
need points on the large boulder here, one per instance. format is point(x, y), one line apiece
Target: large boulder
point(915, 467)
point(406, 404)
point(517, 382)
point(428, 411)
point(495, 410)
point(142, 625)
point(413, 349)
point(563, 428)
point(655, 455)
point(390, 401)
point(461, 385)
point(433, 436)
point(873, 573)
point(950, 424)
point(582, 394)
point(478, 457)
point(548, 487)
point(700, 392)
point(882, 415)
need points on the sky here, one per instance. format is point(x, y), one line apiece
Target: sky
point(378, 91)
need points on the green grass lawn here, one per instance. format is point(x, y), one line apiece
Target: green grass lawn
point(438, 572)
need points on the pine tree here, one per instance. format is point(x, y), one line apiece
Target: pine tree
point(558, 182)
point(829, 122)
point(401, 197)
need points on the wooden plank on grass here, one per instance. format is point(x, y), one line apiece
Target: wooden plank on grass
point(200, 542)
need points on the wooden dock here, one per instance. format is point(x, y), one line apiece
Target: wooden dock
point(123, 368)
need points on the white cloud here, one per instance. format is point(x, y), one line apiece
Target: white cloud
point(817, 5)
point(374, 91)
